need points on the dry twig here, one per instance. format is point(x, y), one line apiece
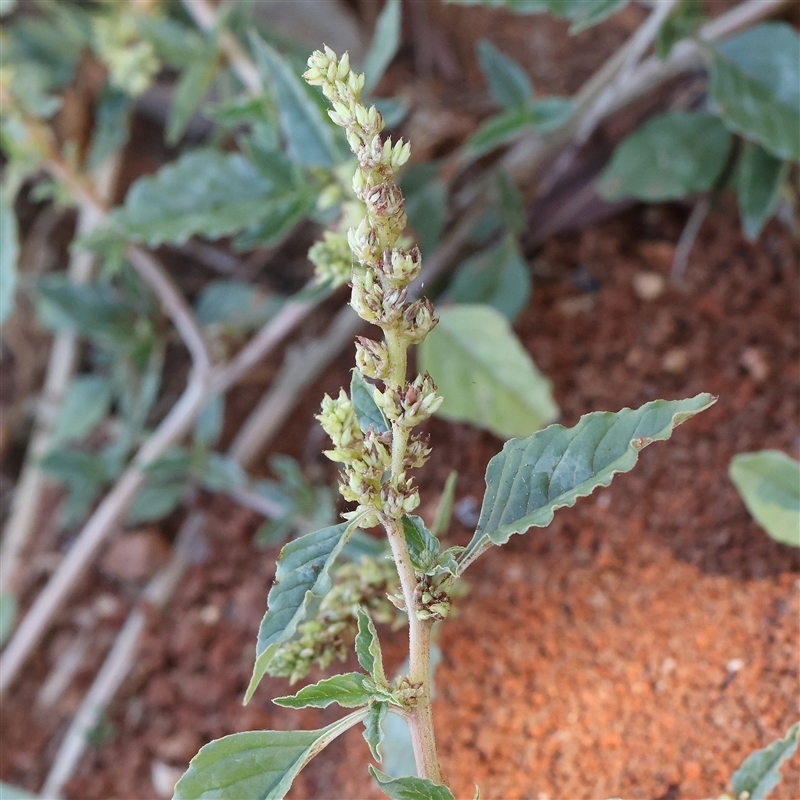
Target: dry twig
point(119, 661)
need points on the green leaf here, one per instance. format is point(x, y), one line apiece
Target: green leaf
point(410, 788)
point(301, 576)
point(84, 474)
point(189, 93)
point(9, 606)
point(670, 156)
point(512, 203)
point(256, 764)
point(682, 22)
point(177, 44)
point(758, 182)
point(309, 133)
point(444, 510)
point(484, 374)
point(423, 546)
point(368, 648)
point(111, 126)
point(497, 277)
point(221, 473)
point(9, 252)
point(531, 478)
point(236, 305)
point(203, 192)
point(367, 411)
point(582, 13)
point(84, 405)
point(347, 690)
point(755, 86)
point(373, 728)
point(208, 427)
point(90, 309)
point(768, 482)
point(285, 212)
point(509, 85)
point(9, 792)
point(543, 115)
point(155, 502)
point(759, 774)
point(426, 203)
point(385, 44)
point(586, 13)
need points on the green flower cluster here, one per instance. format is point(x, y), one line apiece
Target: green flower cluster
point(375, 463)
point(331, 633)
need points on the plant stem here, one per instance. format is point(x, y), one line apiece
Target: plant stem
point(420, 716)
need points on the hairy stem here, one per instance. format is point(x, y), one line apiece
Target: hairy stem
point(420, 716)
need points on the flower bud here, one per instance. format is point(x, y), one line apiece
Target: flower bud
point(419, 401)
point(372, 358)
point(418, 320)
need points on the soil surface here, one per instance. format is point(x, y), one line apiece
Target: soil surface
point(641, 646)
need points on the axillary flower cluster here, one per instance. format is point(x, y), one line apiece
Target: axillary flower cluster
point(376, 461)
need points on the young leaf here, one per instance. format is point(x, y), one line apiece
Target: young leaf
point(367, 411)
point(423, 546)
point(385, 43)
point(9, 792)
point(111, 129)
point(445, 508)
point(497, 277)
point(84, 405)
point(347, 690)
point(670, 156)
point(755, 86)
point(586, 13)
point(759, 774)
point(531, 478)
point(208, 427)
point(509, 85)
point(202, 192)
point(769, 483)
point(9, 606)
point(302, 575)
point(368, 648)
point(485, 375)
point(9, 252)
point(682, 22)
point(190, 91)
point(155, 502)
point(410, 788)
point(543, 115)
point(512, 203)
point(758, 182)
point(373, 728)
point(259, 764)
point(308, 132)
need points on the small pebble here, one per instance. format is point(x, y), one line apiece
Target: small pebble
point(648, 285)
point(754, 361)
point(734, 665)
point(572, 306)
point(210, 614)
point(164, 778)
point(676, 360)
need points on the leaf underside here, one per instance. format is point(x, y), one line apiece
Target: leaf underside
point(410, 788)
point(760, 774)
point(301, 575)
point(257, 765)
point(530, 478)
point(769, 484)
